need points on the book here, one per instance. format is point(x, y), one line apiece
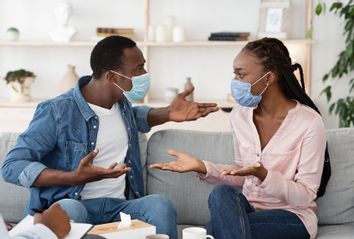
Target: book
point(138, 230)
point(230, 34)
point(78, 230)
point(227, 38)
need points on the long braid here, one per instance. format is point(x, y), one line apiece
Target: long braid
point(274, 56)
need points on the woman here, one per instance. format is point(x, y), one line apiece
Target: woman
point(280, 150)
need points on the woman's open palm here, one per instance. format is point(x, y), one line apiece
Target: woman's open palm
point(183, 163)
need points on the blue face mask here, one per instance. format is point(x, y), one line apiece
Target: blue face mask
point(241, 92)
point(141, 85)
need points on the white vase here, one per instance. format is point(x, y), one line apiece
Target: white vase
point(69, 80)
point(21, 92)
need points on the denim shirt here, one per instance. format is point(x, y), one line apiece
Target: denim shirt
point(62, 132)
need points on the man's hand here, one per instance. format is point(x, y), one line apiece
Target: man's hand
point(257, 170)
point(183, 110)
point(88, 172)
point(56, 219)
point(184, 163)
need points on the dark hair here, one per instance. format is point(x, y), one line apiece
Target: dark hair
point(107, 54)
point(274, 55)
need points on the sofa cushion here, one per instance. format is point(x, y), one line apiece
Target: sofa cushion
point(345, 231)
point(13, 198)
point(188, 194)
point(337, 205)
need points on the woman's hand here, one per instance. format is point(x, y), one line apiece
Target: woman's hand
point(257, 170)
point(184, 163)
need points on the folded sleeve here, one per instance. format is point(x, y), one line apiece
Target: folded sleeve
point(23, 163)
point(214, 174)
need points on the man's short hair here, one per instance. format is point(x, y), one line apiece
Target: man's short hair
point(107, 54)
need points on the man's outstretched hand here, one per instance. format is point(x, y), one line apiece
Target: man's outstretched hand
point(184, 110)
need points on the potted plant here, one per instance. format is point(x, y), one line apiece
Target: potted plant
point(20, 82)
point(343, 107)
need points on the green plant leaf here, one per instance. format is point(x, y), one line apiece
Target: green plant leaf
point(328, 92)
point(325, 77)
point(318, 9)
point(336, 6)
point(332, 107)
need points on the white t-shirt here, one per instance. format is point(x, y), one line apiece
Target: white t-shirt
point(112, 143)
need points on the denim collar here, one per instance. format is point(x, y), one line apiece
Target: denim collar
point(84, 108)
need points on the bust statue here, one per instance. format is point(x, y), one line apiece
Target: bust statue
point(63, 32)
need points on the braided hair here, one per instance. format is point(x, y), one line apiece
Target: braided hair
point(274, 56)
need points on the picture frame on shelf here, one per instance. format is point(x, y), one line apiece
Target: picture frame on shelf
point(273, 19)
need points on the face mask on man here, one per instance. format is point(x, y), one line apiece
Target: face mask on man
point(141, 85)
point(241, 92)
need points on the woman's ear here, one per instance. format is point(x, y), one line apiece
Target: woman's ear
point(271, 78)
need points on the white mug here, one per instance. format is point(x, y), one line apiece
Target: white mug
point(195, 233)
point(157, 236)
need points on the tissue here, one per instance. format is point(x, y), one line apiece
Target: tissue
point(125, 220)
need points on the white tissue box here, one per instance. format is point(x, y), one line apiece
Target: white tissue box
point(138, 230)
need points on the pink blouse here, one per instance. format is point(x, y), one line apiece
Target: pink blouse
point(294, 159)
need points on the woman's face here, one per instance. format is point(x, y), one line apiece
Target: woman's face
point(248, 69)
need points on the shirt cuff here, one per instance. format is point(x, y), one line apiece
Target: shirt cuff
point(141, 117)
point(39, 231)
point(207, 175)
point(30, 174)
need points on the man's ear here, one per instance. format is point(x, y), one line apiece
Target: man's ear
point(110, 76)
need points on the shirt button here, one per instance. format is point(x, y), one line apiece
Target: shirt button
point(130, 145)
point(131, 176)
point(94, 126)
point(129, 161)
point(257, 155)
point(76, 193)
point(128, 128)
point(96, 117)
point(137, 193)
point(92, 143)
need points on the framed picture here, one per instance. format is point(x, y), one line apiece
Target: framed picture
point(273, 18)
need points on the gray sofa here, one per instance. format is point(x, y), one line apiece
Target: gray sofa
point(189, 195)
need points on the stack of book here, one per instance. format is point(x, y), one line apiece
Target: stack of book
point(109, 31)
point(229, 36)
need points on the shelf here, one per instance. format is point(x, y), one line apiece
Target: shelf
point(43, 43)
point(40, 43)
point(218, 43)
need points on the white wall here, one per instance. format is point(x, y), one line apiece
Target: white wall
point(209, 67)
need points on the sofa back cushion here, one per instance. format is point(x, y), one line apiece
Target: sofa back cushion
point(337, 205)
point(188, 194)
point(12, 197)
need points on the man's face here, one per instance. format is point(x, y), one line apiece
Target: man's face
point(133, 63)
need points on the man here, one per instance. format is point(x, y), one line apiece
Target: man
point(53, 223)
point(81, 148)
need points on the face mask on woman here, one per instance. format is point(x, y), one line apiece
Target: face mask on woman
point(241, 92)
point(141, 85)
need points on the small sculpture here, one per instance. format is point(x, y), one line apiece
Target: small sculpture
point(63, 32)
